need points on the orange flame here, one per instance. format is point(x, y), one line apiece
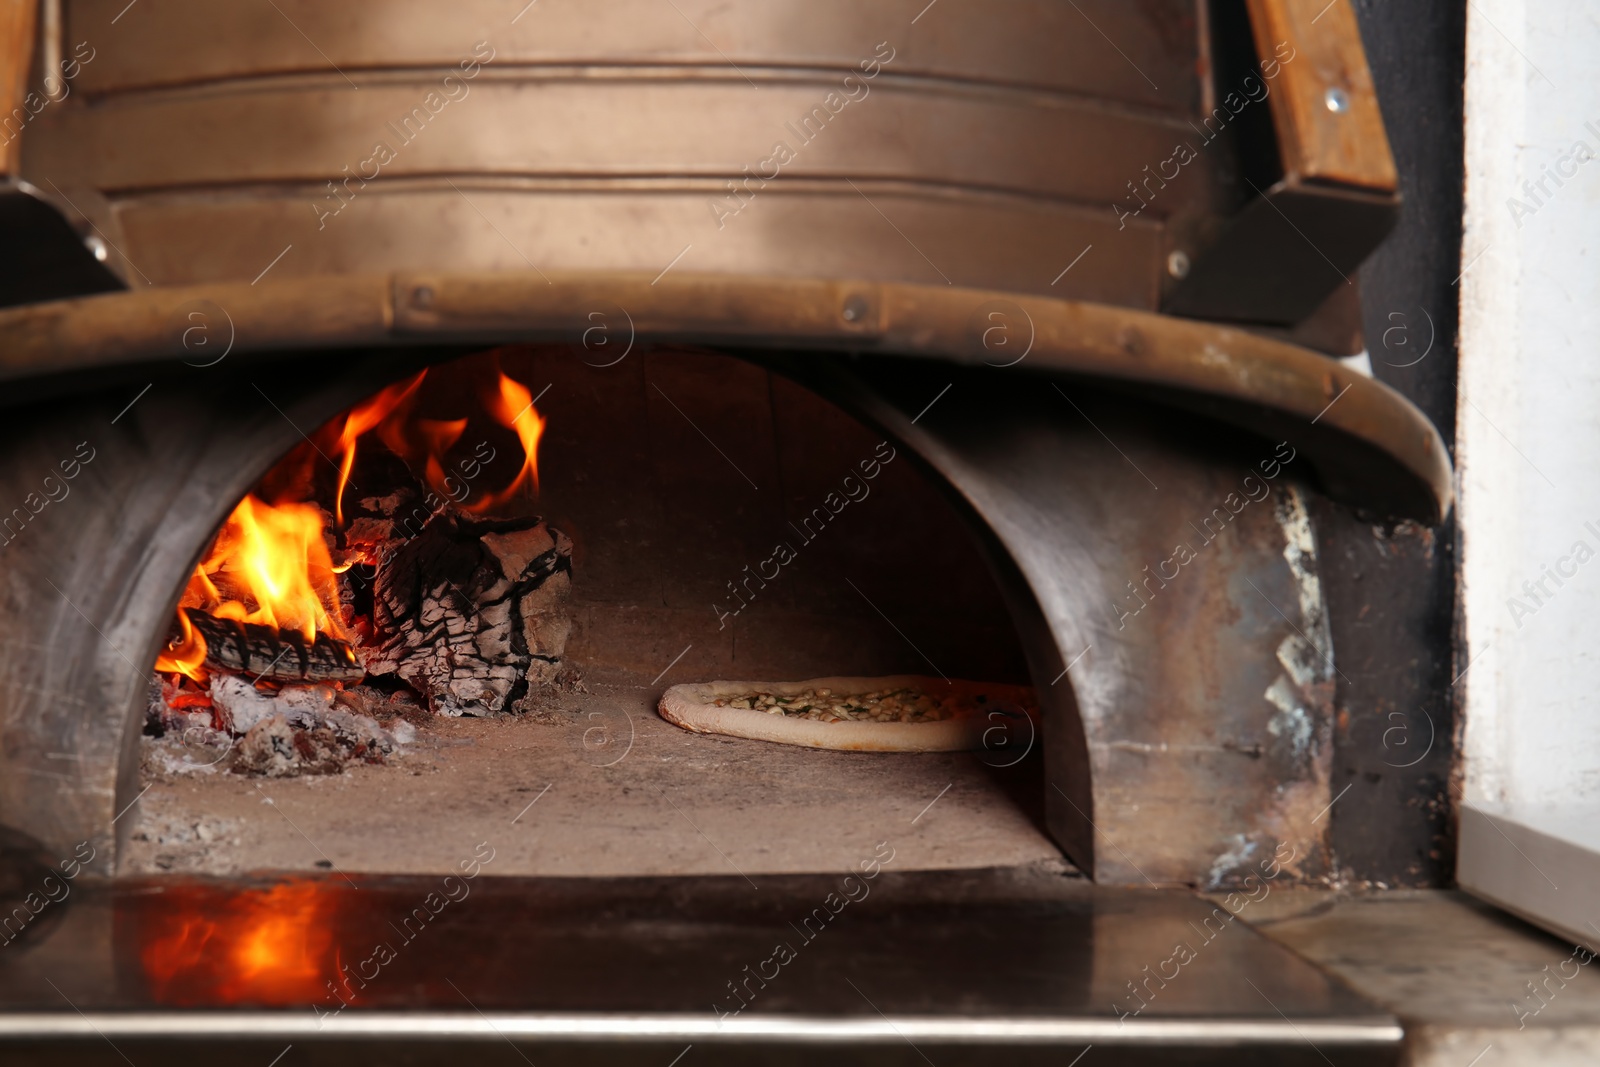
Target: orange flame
point(437, 438)
point(275, 558)
point(363, 417)
point(268, 946)
point(187, 655)
point(269, 565)
point(512, 406)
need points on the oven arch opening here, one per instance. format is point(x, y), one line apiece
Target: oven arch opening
point(1158, 780)
point(644, 548)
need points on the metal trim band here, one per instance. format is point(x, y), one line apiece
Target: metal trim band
point(1373, 1031)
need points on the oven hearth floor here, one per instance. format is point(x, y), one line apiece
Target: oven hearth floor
point(671, 803)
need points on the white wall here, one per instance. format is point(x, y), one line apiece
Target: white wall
point(1528, 438)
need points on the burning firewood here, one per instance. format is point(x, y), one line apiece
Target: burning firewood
point(471, 613)
point(294, 600)
point(269, 654)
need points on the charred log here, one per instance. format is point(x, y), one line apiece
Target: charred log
point(471, 613)
point(268, 654)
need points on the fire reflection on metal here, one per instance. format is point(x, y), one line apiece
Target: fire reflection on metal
point(202, 945)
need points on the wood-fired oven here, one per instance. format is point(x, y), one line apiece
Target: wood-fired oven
point(399, 399)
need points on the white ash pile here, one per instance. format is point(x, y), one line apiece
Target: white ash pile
point(277, 732)
point(471, 613)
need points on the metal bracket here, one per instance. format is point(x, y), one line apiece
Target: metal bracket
point(1325, 198)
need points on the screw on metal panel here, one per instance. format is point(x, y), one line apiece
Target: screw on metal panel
point(96, 247)
point(1178, 265)
point(855, 309)
point(1338, 100)
point(422, 297)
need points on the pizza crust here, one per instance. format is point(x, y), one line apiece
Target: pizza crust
point(692, 706)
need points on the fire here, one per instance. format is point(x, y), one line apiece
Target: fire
point(438, 437)
point(423, 443)
point(513, 407)
point(362, 418)
point(275, 558)
point(271, 563)
point(261, 946)
point(187, 654)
